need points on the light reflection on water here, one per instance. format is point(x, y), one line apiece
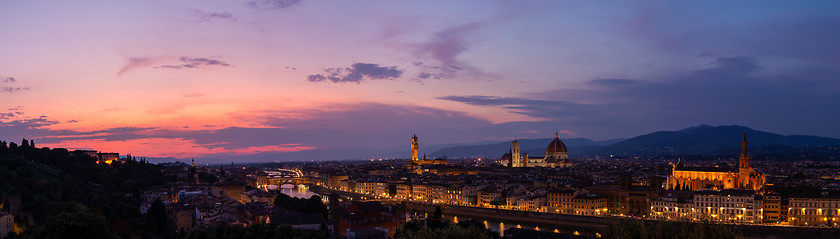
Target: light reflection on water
point(300, 192)
point(500, 227)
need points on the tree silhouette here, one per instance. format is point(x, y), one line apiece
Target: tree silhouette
point(157, 216)
point(67, 225)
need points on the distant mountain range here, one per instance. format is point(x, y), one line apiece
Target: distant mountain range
point(698, 140)
point(534, 147)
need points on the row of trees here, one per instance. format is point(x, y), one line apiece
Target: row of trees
point(253, 231)
point(6, 147)
point(640, 229)
point(53, 184)
point(416, 229)
point(313, 205)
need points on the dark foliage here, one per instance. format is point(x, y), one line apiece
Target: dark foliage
point(466, 229)
point(67, 225)
point(313, 205)
point(639, 229)
point(256, 231)
point(50, 182)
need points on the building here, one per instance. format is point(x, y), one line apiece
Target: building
point(453, 194)
point(560, 200)
point(177, 171)
point(700, 178)
point(731, 205)
point(106, 158)
point(821, 211)
point(403, 190)
point(673, 207)
point(7, 224)
point(444, 169)
point(772, 207)
point(590, 205)
point(490, 197)
point(420, 192)
point(415, 163)
point(360, 216)
point(231, 190)
point(556, 156)
point(335, 181)
point(415, 147)
point(628, 197)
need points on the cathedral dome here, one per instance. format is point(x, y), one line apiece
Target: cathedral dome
point(556, 146)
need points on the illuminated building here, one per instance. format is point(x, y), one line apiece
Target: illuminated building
point(590, 205)
point(490, 197)
point(414, 148)
point(699, 178)
point(363, 216)
point(578, 202)
point(814, 211)
point(731, 205)
point(556, 156)
point(404, 190)
point(629, 197)
point(415, 164)
point(420, 192)
point(772, 207)
point(560, 200)
point(106, 158)
point(673, 207)
point(7, 223)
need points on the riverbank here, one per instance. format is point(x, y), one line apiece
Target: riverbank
point(590, 226)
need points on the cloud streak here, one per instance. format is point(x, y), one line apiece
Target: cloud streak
point(357, 73)
point(272, 4)
point(167, 62)
point(5, 81)
point(345, 125)
point(201, 16)
point(730, 91)
point(188, 62)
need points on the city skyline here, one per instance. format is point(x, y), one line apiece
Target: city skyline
point(236, 78)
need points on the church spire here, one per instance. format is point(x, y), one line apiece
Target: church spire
point(744, 159)
point(556, 135)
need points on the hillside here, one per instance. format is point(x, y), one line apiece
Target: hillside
point(698, 140)
point(38, 185)
point(530, 146)
point(712, 140)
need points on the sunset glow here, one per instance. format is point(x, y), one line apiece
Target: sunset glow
point(216, 79)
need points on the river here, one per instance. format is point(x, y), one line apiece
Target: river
point(501, 226)
point(303, 192)
point(300, 192)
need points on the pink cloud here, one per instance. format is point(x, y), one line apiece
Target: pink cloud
point(170, 147)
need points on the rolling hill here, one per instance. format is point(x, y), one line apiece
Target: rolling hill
point(698, 140)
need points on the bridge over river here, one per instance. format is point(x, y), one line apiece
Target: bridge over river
point(592, 226)
point(282, 176)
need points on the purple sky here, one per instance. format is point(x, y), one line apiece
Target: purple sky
point(227, 79)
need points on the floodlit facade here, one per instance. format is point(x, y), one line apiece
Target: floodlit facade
point(703, 178)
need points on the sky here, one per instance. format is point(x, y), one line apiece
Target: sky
point(274, 79)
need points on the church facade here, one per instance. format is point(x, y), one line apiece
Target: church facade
point(556, 156)
point(700, 178)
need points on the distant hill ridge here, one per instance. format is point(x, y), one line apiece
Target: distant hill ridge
point(698, 140)
point(534, 147)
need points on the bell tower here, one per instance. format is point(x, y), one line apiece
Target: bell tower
point(744, 159)
point(515, 156)
point(414, 147)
